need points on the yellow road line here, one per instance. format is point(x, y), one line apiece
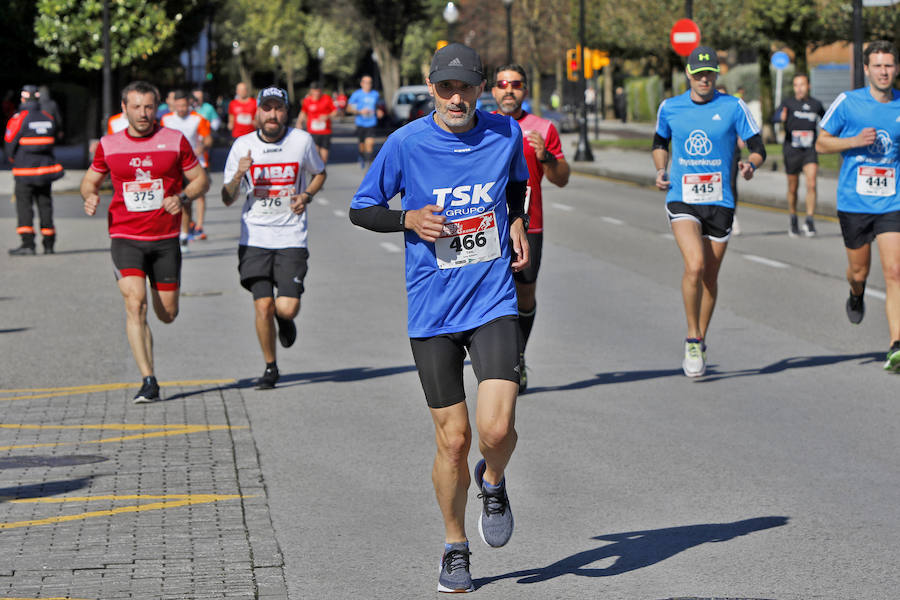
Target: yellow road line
point(166, 430)
point(33, 393)
point(171, 501)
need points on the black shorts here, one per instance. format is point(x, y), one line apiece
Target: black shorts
point(362, 133)
point(535, 245)
point(157, 260)
point(322, 140)
point(860, 229)
point(796, 158)
point(715, 221)
point(493, 347)
point(263, 269)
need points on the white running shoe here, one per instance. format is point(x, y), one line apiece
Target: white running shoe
point(694, 364)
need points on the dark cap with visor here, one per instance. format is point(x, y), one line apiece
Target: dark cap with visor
point(272, 93)
point(456, 61)
point(703, 58)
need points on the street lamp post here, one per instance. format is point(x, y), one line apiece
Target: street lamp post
point(583, 151)
point(106, 105)
point(509, 53)
point(451, 15)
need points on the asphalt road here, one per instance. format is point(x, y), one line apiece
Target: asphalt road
point(772, 477)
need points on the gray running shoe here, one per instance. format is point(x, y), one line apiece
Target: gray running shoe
point(793, 230)
point(455, 577)
point(496, 521)
point(856, 307)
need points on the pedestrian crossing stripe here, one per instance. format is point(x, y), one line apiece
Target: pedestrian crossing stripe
point(33, 393)
point(166, 501)
point(143, 432)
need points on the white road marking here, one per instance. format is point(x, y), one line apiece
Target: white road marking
point(322, 200)
point(340, 214)
point(876, 294)
point(613, 221)
point(393, 248)
point(564, 207)
point(766, 261)
point(668, 236)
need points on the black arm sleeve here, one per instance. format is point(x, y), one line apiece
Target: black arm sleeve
point(377, 218)
point(660, 142)
point(755, 144)
point(515, 199)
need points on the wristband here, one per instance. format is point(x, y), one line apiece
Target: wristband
point(550, 158)
point(752, 166)
point(403, 219)
point(184, 198)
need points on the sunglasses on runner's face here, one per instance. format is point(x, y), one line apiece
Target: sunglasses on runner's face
point(516, 84)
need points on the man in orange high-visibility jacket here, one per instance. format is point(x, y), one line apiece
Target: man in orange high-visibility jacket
point(30, 136)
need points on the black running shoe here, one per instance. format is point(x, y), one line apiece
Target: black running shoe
point(23, 251)
point(523, 374)
point(287, 331)
point(793, 230)
point(269, 378)
point(149, 391)
point(856, 308)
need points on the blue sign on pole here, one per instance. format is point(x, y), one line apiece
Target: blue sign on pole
point(780, 60)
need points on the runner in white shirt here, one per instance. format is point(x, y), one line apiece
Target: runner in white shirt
point(276, 171)
point(198, 132)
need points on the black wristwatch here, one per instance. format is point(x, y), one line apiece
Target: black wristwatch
point(184, 198)
point(550, 158)
point(525, 221)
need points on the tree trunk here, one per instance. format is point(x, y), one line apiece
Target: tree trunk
point(609, 111)
point(536, 90)
point(765, 93)
point(389, 65)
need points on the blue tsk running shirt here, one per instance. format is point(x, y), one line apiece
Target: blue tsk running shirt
point(868, 179)
point(360, 100)
point(704, 138)
point(464, 279)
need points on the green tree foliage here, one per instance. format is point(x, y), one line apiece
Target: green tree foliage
point(69, 31)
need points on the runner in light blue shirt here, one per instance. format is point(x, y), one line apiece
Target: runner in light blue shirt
point(366, 104)
point(864, 126)
point(703, 126)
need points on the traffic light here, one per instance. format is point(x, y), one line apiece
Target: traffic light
point(572, 64)
point(594, 60)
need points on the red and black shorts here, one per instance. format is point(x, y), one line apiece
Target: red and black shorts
point(157, 260)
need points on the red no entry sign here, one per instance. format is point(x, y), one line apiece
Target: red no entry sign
point(685, 36)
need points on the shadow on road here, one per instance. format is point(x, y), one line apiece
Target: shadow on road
point(638, 549)
point(336, 376)
point(42, 490)
point(796, 362)
point(785, 364)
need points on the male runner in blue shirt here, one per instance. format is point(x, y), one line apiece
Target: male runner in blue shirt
point(864, 126)
point(462, 176)
point(366, 104)
point(703, 125)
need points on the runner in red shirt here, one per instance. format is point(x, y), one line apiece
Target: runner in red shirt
point(147, 164)
point(241, 112)
point(544, 155)
point(315, 116)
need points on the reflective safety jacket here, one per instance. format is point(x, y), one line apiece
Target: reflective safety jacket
point(30, 136)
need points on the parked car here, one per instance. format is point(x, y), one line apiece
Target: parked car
point(564, 122)
point(420, 108)
point(486, 102)
point(403, 100)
